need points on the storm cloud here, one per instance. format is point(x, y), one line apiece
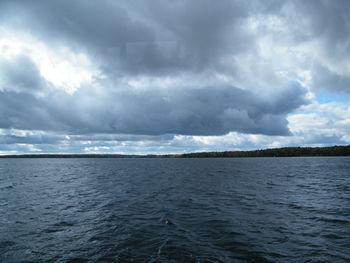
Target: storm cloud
point(206, 110)
point(155, 68)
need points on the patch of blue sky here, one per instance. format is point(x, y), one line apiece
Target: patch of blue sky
point(326, 97)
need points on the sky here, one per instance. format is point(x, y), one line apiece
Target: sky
point(155, 76)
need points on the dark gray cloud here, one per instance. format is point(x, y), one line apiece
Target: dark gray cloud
point(156, 37)
point(186, 35)
point(192, 111)
point(199, 110)
point(330, 21)
point(20, 74)
point(327, 80)
point(30, 139)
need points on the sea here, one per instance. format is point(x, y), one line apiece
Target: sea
point(175, 210)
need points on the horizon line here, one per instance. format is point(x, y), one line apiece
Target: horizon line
point(267, 152)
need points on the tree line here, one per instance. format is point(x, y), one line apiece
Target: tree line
point(276, 152)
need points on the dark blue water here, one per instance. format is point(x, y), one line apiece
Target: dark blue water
point(175, 210)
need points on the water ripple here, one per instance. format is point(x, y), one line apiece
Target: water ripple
point(175, 210)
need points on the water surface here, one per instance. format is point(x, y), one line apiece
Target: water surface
point(175, 210)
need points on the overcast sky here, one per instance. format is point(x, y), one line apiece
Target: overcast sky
point(161, 76)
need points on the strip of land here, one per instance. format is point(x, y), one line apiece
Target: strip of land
point(276, 152)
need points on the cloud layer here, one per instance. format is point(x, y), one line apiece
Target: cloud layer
point(189, 68)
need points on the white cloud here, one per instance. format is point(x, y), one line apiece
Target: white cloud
point(59, 66)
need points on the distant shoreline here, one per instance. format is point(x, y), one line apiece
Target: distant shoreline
point(275, 152)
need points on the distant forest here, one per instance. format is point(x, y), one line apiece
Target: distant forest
point(277, 152)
